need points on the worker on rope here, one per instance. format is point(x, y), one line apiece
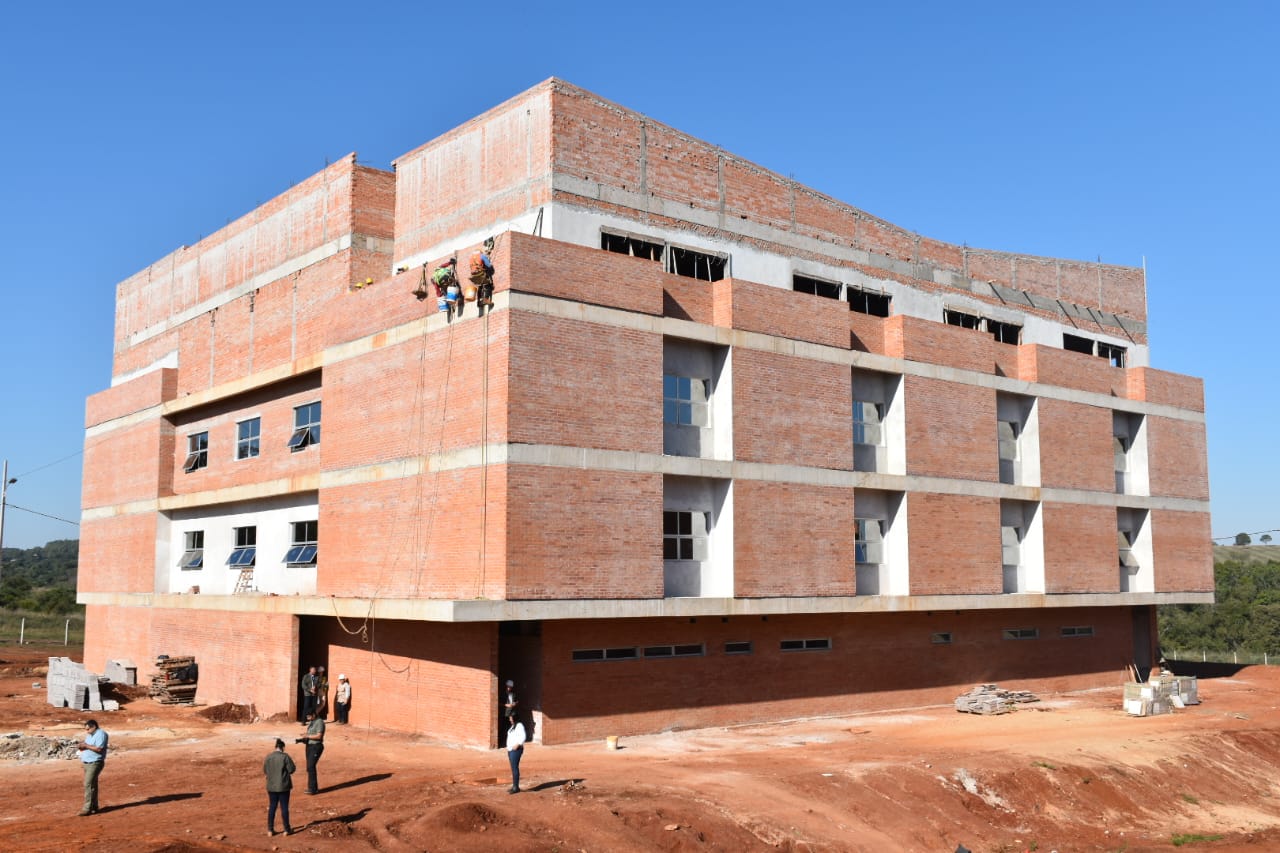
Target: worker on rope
point(482, 276)
point(448, 292)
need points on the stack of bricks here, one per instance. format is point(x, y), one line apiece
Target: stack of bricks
point(175, 681)
point(70, 685)
point(990, 699)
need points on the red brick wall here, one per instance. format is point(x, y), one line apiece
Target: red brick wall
point(585, 385)
point(867, 333)
point(1080, 548)
point(954, 544)
point(951, 430)
point(128, 464)
point(791, 411)
point(416, 537)
point(1178, 458)
point(583, 534)
point(274, 405)
point(1076, 446)
point(807, 529)
point(1071, 370)
point(1183, 551)
point(149, 389)
point(118, 554)
point(938, 343)
point(426, 678)
point(771, 310)
point(582, 274)
point(688, 299)
point(1159, 386)
point(876, 661)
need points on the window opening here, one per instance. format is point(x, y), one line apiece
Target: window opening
point(867, 302)
point(193, 553)
point(816, 286)
point(1124, 542)
point(961, 319)
point(816, 644)
point(1075, 343)
point(305, 544)
point(684, 401)
point(1021, 633)
point(941, 638)
point(633, 246)
point(867, 421)
point(685, 650)
point(1112, 353)
point(247, 438)
point(737, 647)
point(1005, 333)
point(694, 264)
point(868, 540)
point(197, 452)
point(1077, 631)
point(681, 534)
point(306, 426)
point(246, 550)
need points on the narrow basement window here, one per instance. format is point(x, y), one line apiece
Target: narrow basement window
point(1111, 353)
point(636, 247)
point(737, 647)
point(867, 302)
point(1075, 343)
point(1005, 333)
point(816, 286)
point(817, 644)
point(1077, 630)
point(961, 319)
point(694, 264)
point(941, 638)
point(1021, 633)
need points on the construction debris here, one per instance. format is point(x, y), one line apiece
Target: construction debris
point(1164, 692)
point(26, 749)
point(175, 682)
point(990, 699)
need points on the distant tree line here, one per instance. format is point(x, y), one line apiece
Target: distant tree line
point(41, 579)
point(1246, 617)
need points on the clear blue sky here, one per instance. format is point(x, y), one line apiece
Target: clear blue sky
point(1080, 130)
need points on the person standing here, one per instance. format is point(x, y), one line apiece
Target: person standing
point(342, 700)
point(515, 751)
point(315, 748)
point(278, 768)
point(509, 701)
point(309, 684)
point(93, 755)
point(322, 693)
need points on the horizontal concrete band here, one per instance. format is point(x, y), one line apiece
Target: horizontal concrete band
point(471, 610)
point(556, 456)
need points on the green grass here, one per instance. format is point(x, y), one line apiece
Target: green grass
point(1192, 838)
point(41, 628)
point(1046, 765)
point(1190, 799)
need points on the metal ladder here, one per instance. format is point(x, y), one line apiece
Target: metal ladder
point(245, 582)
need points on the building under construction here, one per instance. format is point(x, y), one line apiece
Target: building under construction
point(722, 450)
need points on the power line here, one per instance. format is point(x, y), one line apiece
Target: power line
point(1234, 535)
point(45, 514)
point(50, 465)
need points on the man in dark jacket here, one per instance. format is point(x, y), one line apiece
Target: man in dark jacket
point(278, 769)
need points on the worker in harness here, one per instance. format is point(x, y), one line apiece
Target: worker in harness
point(482, 276)
point(448, 292)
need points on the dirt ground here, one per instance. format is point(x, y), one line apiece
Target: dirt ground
point(1072, 772)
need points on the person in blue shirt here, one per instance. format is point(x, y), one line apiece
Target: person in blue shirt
point(93, 754)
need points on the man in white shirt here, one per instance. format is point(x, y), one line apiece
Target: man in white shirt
point(515, 749)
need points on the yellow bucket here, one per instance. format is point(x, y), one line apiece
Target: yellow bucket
point(611, 741)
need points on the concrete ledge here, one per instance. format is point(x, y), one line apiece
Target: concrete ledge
point(474, 610)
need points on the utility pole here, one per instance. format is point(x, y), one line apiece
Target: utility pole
point(4, 492)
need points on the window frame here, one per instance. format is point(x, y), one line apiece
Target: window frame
point(862, 427)
point(679, 396)
point(674, 530)
point(865, 546)
point(801, 283)
point(197, 451)
point(245, 553)
point(869, 302)
point(249, 446)
point(809, 644)
point(305, 544)
point(193, 551)
point(306, 426)
point(1020, 634)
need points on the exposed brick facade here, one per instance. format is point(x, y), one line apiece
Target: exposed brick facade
point(514, 494)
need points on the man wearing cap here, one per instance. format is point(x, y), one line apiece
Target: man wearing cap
point(342, 700)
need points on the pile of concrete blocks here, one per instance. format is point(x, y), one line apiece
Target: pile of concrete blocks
point(990, 699)
point(70, 685)
point(1160, 696)
point(122, 671)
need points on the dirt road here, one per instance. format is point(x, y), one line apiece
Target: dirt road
point(1071, 773)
